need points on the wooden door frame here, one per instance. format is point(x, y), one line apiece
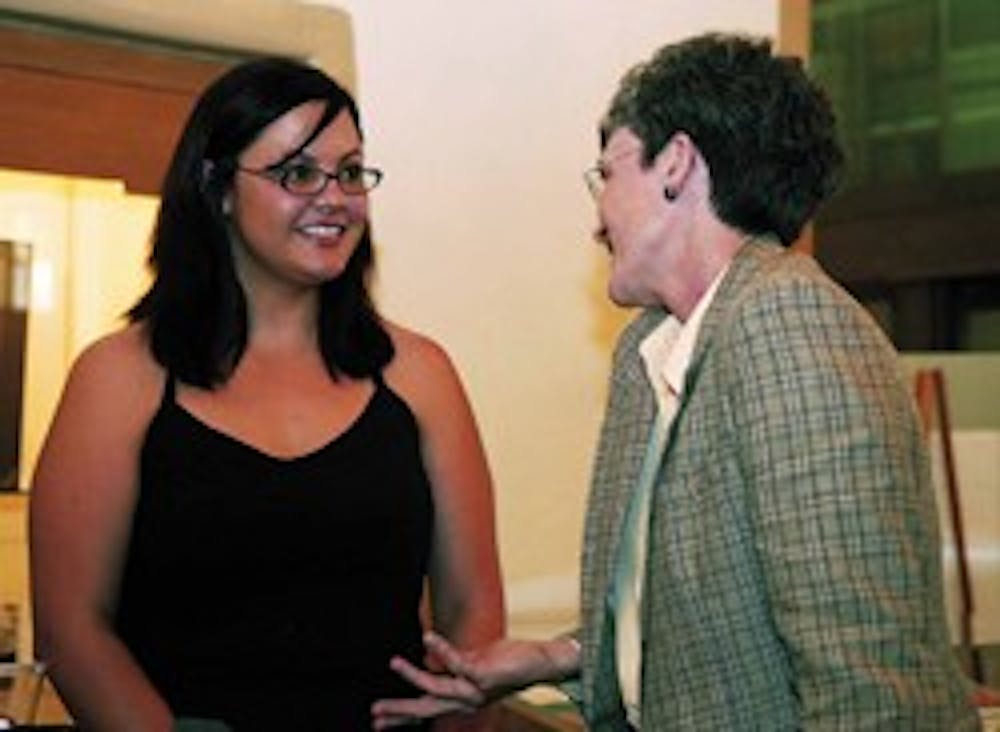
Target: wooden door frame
point(320, 34)
point(97, 90)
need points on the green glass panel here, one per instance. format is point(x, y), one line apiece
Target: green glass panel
point(915, 84)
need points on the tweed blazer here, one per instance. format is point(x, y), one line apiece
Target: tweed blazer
point(793, 577)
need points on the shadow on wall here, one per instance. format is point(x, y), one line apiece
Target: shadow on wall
point(606, 318)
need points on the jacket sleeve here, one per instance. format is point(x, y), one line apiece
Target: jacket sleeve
point(843, 509)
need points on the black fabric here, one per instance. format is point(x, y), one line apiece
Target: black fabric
point(271, 593)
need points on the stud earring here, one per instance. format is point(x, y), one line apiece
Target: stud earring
point(670, 194)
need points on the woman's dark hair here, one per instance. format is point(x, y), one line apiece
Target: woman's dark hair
point(195, 309)
point(764, 128)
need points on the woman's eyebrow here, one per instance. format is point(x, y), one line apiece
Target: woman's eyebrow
point(302, 154)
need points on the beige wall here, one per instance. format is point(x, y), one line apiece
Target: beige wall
point(974, 416)
point(88, 242)
point(483, 116)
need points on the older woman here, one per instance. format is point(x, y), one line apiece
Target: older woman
point(761, 548)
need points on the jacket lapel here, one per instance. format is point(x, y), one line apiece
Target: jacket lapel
point(626, 427)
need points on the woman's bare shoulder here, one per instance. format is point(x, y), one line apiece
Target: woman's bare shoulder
point(112, 392)
point(411, 345)
point(420, 367)
point(119, 365)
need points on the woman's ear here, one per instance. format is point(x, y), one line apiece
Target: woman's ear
point(676, 161)
point(208, 169)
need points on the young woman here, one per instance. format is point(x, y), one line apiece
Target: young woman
point(245, 492)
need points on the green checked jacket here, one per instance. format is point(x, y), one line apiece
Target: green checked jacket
point(793, 578)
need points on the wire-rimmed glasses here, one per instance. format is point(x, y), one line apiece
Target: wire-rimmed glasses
point(597, 175)
point(307, 179)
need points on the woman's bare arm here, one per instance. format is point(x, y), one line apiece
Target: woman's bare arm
point(83, 494)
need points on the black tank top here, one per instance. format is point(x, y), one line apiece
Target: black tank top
point(270, 593)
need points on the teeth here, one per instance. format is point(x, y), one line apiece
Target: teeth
point(318, 230)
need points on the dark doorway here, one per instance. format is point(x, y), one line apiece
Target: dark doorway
point(15, 260)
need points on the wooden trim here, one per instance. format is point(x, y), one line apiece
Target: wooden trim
point(794, 33)
point(13, 502)
point(85, 107)
point(117, 62)
point(940, 228)
point(121, 78)
point(76, 126)
point(979, 188)
point(794, 39)
point(321, 34)
point(912, 246)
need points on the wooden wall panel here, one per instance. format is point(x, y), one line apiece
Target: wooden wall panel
point(77, 126)
point(941, 228)
point(101, 109)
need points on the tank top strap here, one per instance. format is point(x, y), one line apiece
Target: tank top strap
point(169, 390)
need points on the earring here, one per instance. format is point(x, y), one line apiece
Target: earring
point(670, 194)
